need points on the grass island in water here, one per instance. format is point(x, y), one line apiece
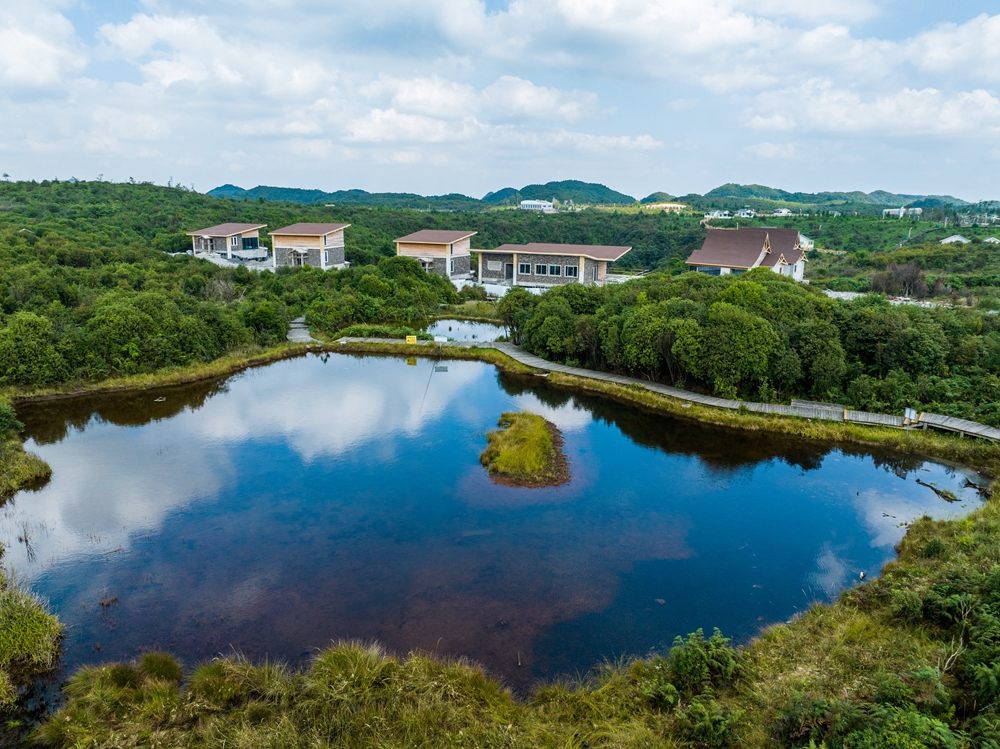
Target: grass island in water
point(525, 451)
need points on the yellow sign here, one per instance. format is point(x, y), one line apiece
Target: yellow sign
point(411, 339)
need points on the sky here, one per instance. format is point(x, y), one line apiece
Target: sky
point(440, 96)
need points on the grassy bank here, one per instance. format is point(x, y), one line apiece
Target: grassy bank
point(525, 451)
point(29, 638)
point(902, 662)
point(221, 367)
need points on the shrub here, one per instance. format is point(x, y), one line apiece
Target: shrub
point(697, 663)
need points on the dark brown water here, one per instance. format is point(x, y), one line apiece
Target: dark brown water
point(337, 497)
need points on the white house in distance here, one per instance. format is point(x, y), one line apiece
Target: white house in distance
point(545, 206)
point(718, 215)
point(538, 265)
point(991, 240)
point(903, 212)
point(736, 251)
point(782, 212)
point(315, 245)
point(234, 241)
point(447, 253)
point(955, 239)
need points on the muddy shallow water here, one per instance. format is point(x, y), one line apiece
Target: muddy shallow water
point(331, 497)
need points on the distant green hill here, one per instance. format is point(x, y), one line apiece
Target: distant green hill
point(450, 202)
point(585, 193)
point(848, 200)
point(658, 197)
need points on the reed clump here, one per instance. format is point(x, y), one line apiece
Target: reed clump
point(30, 637)
point(525, 451)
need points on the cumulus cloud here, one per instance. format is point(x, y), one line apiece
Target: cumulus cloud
point(38, 46)
point(511, 96)
point(820, 105)
point(773, 150)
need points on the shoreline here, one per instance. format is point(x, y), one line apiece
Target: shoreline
point(980, 454)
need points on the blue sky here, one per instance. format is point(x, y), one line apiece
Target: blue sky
point(436, 96)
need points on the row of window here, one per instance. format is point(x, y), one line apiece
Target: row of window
point(570, 271)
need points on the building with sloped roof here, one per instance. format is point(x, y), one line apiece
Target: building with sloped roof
point(234, 241)
point(316, 245)
point(447, 253)
point(542, 265)
point(735, 251)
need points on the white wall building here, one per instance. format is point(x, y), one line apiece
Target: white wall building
point(537, 205)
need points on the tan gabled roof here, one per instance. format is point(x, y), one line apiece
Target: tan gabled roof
point(310, 230)
point(740, 248)
point(225, 230)
point(593, 251)
point(436, 236)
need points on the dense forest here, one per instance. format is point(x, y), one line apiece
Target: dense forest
point(764, 337)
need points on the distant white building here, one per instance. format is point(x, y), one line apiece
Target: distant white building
point(991, 240)
point(955, 239)
point(545, 206)
point(718, 215)
point(806, 243)
point(782, 212)
point(746, 213)
point(902, 212)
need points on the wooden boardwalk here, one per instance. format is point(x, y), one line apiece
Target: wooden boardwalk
point(798, 408)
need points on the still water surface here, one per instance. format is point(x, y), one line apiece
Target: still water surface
point(465, 330)
point(334, 497)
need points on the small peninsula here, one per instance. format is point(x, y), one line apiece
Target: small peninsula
point(526, 451)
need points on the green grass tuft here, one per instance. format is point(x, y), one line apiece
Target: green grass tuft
point(29, 637)
point(526, 449)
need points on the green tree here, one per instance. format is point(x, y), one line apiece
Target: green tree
point(28, 355)
point(736, 349)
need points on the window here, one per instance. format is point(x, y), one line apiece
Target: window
point(325, 237)
point(494, 265)
point(452, 266)
point(709, 270)
point(233, 241)
point(326, 255)
point(571, 271)
point(524, 268)
point(540, 270)
point(555, 270)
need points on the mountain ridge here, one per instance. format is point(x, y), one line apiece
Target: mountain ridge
point(592, 193)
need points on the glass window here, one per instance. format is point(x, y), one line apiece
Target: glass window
point(555, 270)
point(540, 270)
point(326, 256)
point(524, 268)
point(709, 270)
point(571, 271)
point(325, 237)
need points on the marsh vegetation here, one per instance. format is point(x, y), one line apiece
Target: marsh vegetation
point(526, 450)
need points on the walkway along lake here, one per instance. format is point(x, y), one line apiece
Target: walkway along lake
point(337, 496)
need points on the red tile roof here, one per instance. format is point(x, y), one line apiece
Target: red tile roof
point(741, 248)
point(436, 236)
point(225, 230)
point(593, 251)
point(310, 230)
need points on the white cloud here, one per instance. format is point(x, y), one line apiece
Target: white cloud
point(773, 150)
point(511, 96)
point(819, 105)
point(972, 48)
point(38, 46)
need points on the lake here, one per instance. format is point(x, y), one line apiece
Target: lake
point(334, 496)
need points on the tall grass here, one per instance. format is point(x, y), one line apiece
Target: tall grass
point(521, 448)
point(18, 468)
point(29, 636)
